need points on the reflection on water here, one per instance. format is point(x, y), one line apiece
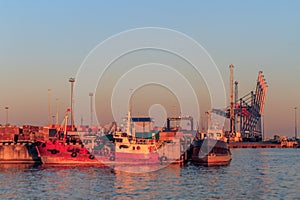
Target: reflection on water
point(12, 167)
point(139, 168)
point(252, 174)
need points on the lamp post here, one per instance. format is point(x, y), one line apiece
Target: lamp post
point(295, 123)
point(91, 109)
point(72, 80)
point(208, 120)
point(53, 117)
point(49, 93)
point(263, 127)
point(232, 115)
point(6, 121)
point(56, 121)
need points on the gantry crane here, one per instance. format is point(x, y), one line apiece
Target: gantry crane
point(246, 113)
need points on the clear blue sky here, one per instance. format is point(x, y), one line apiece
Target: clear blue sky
point(42, 44)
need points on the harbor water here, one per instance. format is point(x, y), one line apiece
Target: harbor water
point(252, 174)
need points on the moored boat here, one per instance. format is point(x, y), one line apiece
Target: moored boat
point(67, 148)
point(121, 148)
point(130, 149)
point(211, 150)
point(58, 152)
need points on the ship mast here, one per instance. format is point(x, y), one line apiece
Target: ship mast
point(129, 115)
point(65, 124)
point(128, 123)
point(91, 108)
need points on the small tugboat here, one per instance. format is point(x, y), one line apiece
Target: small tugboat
point(211, 149)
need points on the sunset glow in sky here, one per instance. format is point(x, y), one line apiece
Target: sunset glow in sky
point(43, 44)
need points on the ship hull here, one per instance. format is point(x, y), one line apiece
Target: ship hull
point(64, 154)
point(118, 159)
point(211, 152)
point(61, 160)
point(215, 160)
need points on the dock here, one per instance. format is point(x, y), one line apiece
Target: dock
point(235, 145)
point(17, 146)
point(18, 153)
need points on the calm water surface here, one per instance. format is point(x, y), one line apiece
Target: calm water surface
point(252, 174)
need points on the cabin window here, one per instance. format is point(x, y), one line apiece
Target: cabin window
point(133, 148)
point(119, 140)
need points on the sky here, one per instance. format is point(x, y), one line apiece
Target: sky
point(43, 44)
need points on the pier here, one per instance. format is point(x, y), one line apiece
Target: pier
point(254, 145)
point(17, 145)
point(19, 153)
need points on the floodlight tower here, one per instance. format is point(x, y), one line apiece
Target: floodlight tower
point(232, 118)
point(56, 119)
point(6, 108)
point(91, 108)
point(49, 96)
point(72, 80)
point(295, 123)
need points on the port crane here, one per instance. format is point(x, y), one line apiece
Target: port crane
point(246, 113)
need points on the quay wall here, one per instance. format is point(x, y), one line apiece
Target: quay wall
point(21, 153)
point(235, 145)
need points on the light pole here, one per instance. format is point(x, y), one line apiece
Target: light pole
point(6, 108)
point(231, 99)
point(263, 127)
point(56, 121)
point(208, 119)
point(49, 93)
point(129, 114)
point(91, 109)
point(72, 80)
point(130, 100)
point(295, 123)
